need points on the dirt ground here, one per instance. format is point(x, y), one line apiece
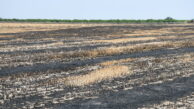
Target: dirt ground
point(96, 66)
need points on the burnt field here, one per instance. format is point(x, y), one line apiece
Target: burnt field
point(92, 66)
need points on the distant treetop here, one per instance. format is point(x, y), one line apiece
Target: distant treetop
point(169, 18)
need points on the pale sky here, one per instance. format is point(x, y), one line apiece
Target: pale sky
point(97, 9)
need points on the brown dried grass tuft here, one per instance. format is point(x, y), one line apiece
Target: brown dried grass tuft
point(97, 76)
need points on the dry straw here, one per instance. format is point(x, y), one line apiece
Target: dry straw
point(97, 76)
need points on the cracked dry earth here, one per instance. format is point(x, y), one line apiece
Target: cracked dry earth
point(96, 66)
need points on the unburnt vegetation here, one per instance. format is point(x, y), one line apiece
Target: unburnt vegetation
point(56, 65)
point(168, 20)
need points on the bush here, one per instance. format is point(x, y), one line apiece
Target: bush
point(191, 21)
point(169, 18)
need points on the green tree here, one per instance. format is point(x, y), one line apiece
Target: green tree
point(169, 18)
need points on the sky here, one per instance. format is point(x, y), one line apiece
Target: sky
point(97, 9)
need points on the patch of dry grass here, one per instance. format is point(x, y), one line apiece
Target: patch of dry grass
point(188, 43)
point(97, 76)
point(143, 33)
point(6, 36)
point(161, 31)
point(12, 40)
point(129, 34)
point(25, 27)
point(174, 37)
point(125, 49)
point(31, 47)
point(113, 62)
point(123, 40)
point(108, 51)
point(188, 57)
point(15, 27)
